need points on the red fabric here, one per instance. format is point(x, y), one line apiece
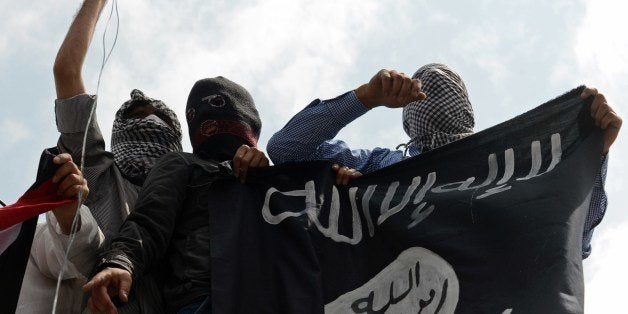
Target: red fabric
point(34, 202)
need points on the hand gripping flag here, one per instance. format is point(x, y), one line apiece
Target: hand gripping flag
point(17, 228)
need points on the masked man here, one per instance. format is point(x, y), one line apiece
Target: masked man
point(144, 129)
point(169, 228)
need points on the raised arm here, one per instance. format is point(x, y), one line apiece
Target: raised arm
point(308, 135)
point(69, 62)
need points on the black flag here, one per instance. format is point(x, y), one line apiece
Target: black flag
point(489, 224)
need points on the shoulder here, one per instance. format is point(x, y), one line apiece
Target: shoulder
point(179, 161)
point(177, 158)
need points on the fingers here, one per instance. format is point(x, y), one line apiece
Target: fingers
point(100, 302)
point(603, 114)
point(610, 120)
point(417, 90)
point(405, 91)
point(611, 124)
point(246, 157)
point(69, 177)
point(391, 89)
point(344, 175)
point(243, 162)
point(125, 287)
point(258, 160)
point(414, 93)
point(98, 279)
point(397, 83)
point(116, 280)
point(398, 89)
point(349, 175)
point(599, 107)
point(603, 111)
point(237, 159)
point(90, 306)
point(62, 158)
point(94, 310)
point(604, 117)
point(588, 91)
point(71, 186)
point(387, 81)
point(67, 167)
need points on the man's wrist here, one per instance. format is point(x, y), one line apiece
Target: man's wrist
point(362, 94)
point(65, 218)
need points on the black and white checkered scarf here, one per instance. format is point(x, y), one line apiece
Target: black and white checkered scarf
point(136, 144)
point(446, 115)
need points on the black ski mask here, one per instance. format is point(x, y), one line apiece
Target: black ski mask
point(221, 117)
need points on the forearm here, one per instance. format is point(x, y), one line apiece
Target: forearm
point(320, 121)
point(362, 93)
point(146, 233)
point(144, 238)
point(65, 216)
point(71, 55)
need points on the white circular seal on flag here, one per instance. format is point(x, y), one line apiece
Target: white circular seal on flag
point(418, 281)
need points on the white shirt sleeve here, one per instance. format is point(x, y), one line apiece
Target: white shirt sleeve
point(49, 247)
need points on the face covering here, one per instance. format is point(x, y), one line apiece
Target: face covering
point(136, 143)
point(157, 120)
point(446, 115)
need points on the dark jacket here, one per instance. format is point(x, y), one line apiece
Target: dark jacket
point(169, 228)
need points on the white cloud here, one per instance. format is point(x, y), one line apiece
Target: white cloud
point(600, 58)
point(481, 45)
point(284, 52)
point(24, 27)
point(601, 45)
point(600, 51)
point(607, 272)
point(13, 131)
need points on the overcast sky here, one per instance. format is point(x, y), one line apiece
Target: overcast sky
point(513, 56)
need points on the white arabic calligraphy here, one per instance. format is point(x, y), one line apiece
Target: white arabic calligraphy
point(313, 204)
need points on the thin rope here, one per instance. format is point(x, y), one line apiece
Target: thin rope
point(73, 229)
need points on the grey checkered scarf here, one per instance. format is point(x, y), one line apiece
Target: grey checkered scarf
point(137, 143)
point(445, 115)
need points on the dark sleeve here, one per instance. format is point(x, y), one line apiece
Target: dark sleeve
point(305, 137)
point(597, 208)
point(146, 233)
